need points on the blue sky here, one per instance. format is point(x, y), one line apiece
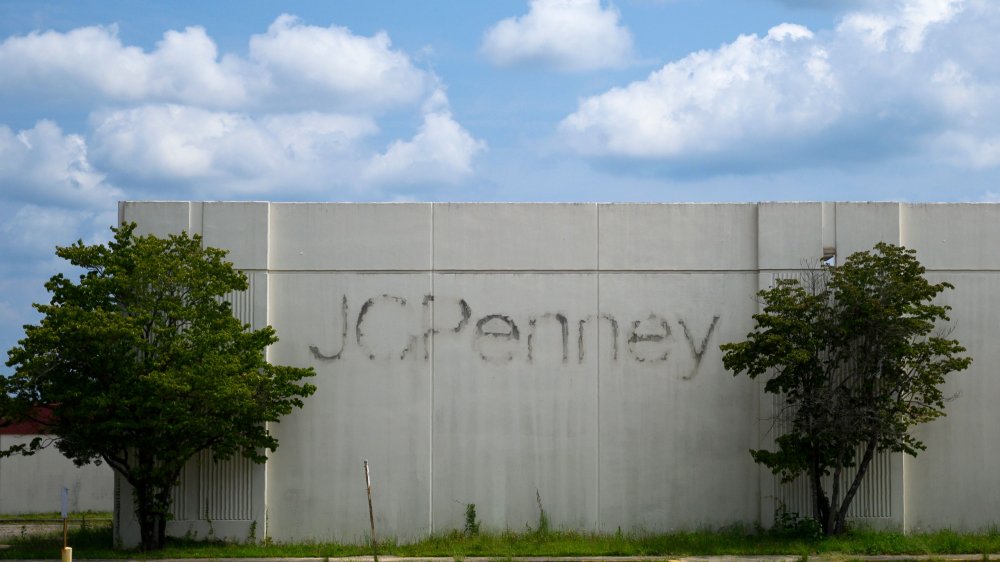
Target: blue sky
point(540, 100)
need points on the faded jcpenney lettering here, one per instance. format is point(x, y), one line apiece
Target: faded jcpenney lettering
point(499, 339)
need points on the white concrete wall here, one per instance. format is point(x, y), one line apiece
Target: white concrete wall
point(954, 483)
point(34, 484)
point(498, 353)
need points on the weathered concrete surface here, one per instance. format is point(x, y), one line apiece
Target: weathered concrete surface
point(502, 354)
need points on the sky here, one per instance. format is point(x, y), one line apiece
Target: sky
point(499, 100)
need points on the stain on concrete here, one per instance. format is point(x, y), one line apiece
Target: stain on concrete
point(698, 351)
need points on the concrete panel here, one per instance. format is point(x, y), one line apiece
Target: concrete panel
point(790, 235)
point(678, 237)
point(862, 225)
point(364, 335)
point(675, 427)
point(34, 484)
point(954, 484)
point(521, 236)
point(159, 218)
point(515, 396)
point(241, 228)
point(350, 237)
point(953, 235)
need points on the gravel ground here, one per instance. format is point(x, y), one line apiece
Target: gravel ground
point(14, 530)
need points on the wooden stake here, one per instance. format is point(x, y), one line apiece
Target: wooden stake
point(371, 511)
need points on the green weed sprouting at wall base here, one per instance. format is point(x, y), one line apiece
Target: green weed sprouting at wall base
point(471, 524)
point(543, 518)
point(252, 533)
point(790, 524)
point(208, 519)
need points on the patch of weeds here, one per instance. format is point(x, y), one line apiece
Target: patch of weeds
point(543, 518)
point(211, 528)
point(789, 524)
point(471, 523)
point(252, 532)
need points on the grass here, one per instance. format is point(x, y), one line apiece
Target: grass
point(55, 516)
point(96, 543)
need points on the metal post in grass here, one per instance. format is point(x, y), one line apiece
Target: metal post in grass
point(371, 511)
point(67, 552)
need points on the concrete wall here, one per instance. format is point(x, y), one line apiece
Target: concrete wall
point(499, 354)
point(34, 484)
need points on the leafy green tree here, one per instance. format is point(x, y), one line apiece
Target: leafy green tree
point(852, 351)
point(145, 365)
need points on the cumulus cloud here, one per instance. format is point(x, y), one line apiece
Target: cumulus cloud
point(303, 60)
point(570, 35)
point(238, 155)
point(829, 4)
point(92, 60)
point(769, 87)
point(45, 166)
point(297, 113)
point(291, 65)
point(898, 81)
point(233, 152)
point(441, 151)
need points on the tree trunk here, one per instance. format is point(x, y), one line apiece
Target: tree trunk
point(831, 525)
point(151, 508)
point(821, 505)
point(150, 518)
point(858, 478)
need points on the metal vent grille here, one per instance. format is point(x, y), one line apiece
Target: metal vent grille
point(223, 490)
point(226, 488)
point(874, 497)
point(242, 302)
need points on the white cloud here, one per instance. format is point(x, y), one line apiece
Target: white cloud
point(296, 113)
point(303, 60)
point(232, 152)
point(292, 65)
point(919, 78)
point(565, 34)
point(440, 152)
point(43, 165)
point(194, 150)
point(772, 87)
point(830, 4)
point(92, 60)
point(904, 28)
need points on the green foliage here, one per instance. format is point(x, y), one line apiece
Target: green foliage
point(252, 533)
point(851, 351)
point(471, 524)
point(735, 540)
point(792, 525)
point(146, 366)
point(543, 517)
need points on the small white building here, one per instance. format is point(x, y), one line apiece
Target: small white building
point(34, 484)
